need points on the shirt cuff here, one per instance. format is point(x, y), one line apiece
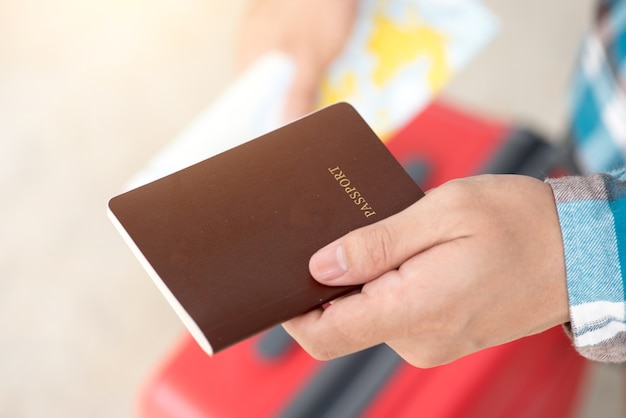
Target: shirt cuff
point(592, 215)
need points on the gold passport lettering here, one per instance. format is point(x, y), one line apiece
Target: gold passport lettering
point(352, 192)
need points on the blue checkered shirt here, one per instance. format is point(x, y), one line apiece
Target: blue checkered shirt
point(592, 209)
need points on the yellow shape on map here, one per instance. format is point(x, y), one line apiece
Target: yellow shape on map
point(395, 46)
point(391, 46)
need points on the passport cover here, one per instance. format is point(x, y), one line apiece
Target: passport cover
point(228, 240)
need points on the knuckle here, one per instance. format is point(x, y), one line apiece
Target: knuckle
point(428, 356)
point(459, 192)
point(425, 360)
point(371, 251)
point(335, 338)
point(318, 351)
point(315, 346)
point(461, 203)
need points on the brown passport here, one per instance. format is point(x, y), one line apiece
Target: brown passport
point(228, 240)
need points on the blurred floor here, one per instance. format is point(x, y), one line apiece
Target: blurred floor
point(89, 90)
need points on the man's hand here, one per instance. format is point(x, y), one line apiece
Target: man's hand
point(475, 263)
point(312, 32)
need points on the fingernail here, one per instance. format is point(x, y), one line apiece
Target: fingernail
point(329, 263)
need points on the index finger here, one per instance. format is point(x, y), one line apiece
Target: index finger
point(350, 324)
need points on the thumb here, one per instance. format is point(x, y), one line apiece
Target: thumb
point(368, 252)
point(363, 254)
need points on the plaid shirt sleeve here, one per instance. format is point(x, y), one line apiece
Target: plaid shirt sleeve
point(592, 214)
point(598, 98)
point(592, 209)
